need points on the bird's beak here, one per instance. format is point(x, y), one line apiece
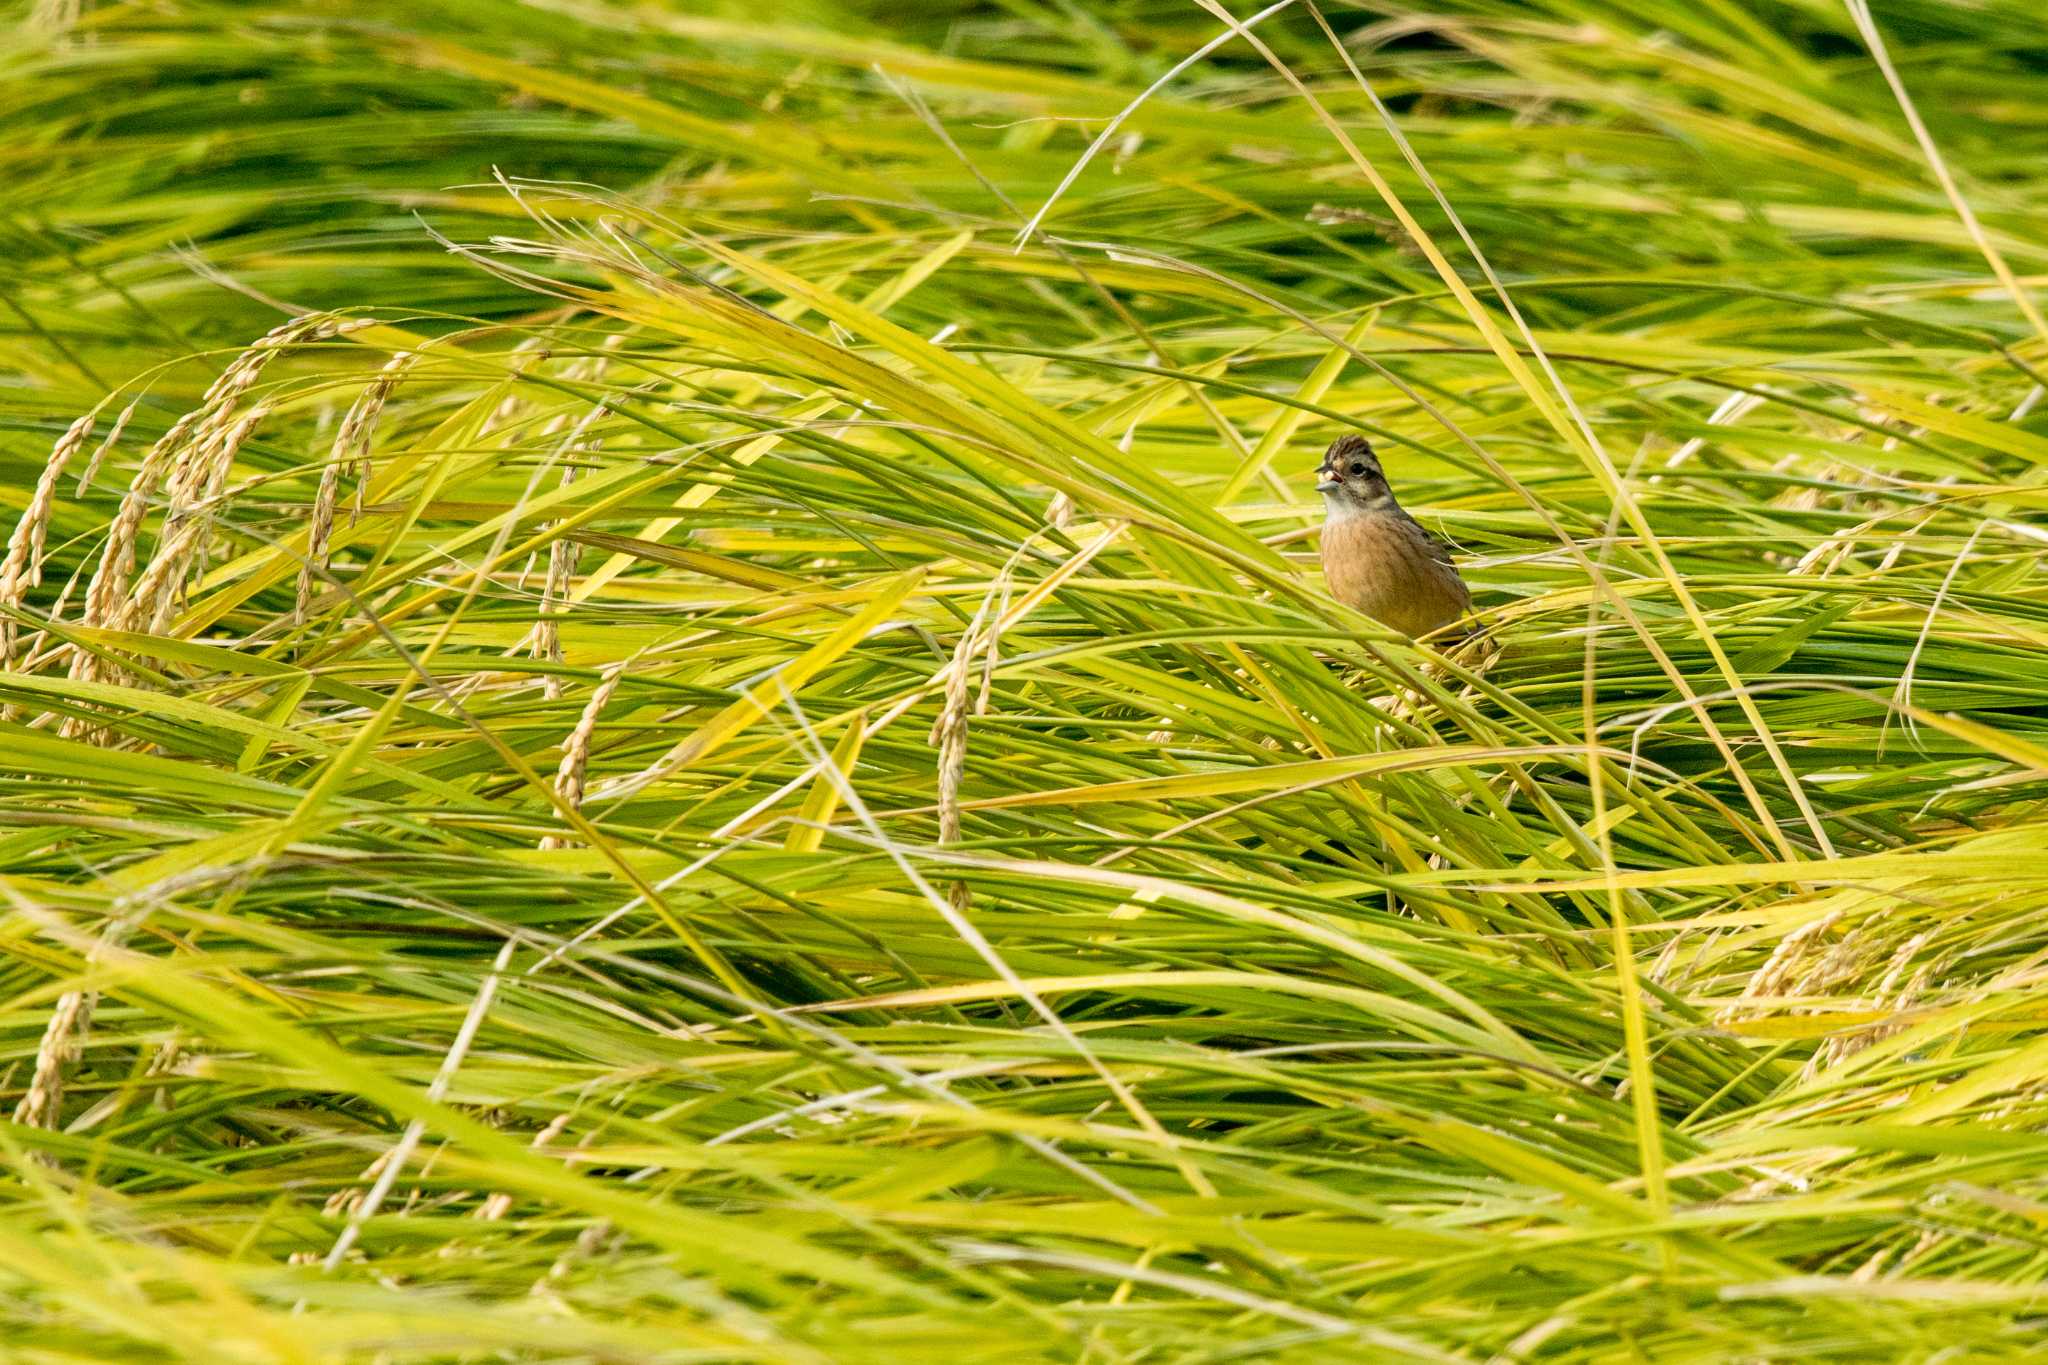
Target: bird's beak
point(1325, 482)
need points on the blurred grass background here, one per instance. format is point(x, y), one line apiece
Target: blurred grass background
point(666, 702)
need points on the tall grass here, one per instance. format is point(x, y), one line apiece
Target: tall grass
point(667, 699)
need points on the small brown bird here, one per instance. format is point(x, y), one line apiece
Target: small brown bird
point(1376, 557)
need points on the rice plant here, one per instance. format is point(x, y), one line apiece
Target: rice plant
point(668, 696)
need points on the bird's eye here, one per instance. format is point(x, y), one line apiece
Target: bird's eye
point(1358, 466)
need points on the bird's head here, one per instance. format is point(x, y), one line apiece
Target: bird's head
point(1350, 477)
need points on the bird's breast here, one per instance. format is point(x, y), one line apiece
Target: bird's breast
point(1385, 567)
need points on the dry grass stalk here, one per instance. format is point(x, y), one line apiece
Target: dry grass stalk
point(547, 634)
point(192, 459)
point(1893, 992)
point(546, 638)
point(190, 463)
point(109, 584)
point(36, 653)
point(528, 356)
point(949, 731)
point(569, 784)
point(569, 774)
point(351, 448)
point(392, 1162)
point(1786, 964)
point(63, 1040)
point(949, 737)
point(193, 491)
point(23, 568)
point(99, 454)
point(992, 652)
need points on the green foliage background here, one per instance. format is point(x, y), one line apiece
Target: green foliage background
point(649, 722)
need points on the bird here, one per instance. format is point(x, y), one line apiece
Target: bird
point(1376, 557)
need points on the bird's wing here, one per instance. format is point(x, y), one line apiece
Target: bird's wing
point(1439, 548)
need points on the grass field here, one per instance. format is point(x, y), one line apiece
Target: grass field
point(668, 700)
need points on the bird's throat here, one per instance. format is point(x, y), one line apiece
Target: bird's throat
point(1341, 506)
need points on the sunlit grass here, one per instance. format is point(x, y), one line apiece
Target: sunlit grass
point(724, 742)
